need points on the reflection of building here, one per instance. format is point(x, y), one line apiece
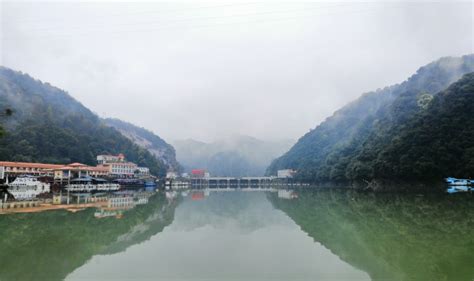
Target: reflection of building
point(287, 194)
point(283, 174)
point(120, 202)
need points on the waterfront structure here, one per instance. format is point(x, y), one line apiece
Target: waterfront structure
point(106, 158)
point(285, 174)
point(77, 170)
point(177, 184)
point(198, 173)
point(25, 168)
point(121, 169)
point(88, 184)
point(143, 171)
point(118, 167)
point(171, 175)
point(27, 188)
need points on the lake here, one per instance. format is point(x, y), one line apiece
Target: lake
point(237, 235)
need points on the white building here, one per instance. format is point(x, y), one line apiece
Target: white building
point(284, 174)
point(143, 171)
point(171, 175)
point(126, 169)
point(105, 158)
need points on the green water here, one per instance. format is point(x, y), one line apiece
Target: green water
point(322, 235)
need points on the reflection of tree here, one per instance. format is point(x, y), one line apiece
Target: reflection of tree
point(391, 237)
point(50, 245)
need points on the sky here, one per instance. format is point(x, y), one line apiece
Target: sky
point(208, 70)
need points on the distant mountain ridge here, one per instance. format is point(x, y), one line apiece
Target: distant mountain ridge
point(349, 145)
point(148, 140)
point(231, 156)
point(48, 125)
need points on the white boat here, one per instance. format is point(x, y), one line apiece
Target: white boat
point(27, 188)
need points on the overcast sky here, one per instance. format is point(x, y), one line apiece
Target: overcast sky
point(207, 70)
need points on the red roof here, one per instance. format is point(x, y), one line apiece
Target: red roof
point(198, 172)
point(29, 165)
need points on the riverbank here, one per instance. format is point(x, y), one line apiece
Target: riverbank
point(51, 207)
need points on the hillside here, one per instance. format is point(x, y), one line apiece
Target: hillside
point(148, 140)
point(333, 151)
point(232, 156)
point(48, 125)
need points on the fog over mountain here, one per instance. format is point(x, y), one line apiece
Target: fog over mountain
point(206, 70)
point(231, 156)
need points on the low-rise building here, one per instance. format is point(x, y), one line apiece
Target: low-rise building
point(26, 168)
point(287, 173)
point(106, 158)
point(143, 171)
point(78, 170)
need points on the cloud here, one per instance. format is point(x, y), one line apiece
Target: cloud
point(206, 70)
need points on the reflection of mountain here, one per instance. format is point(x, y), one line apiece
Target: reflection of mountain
point(391, 237)
point(50, 245)
point(242, 211)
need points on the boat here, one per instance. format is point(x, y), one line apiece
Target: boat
point(89, 184)
point(27, 188)
point(459, 188)
point(460, 182)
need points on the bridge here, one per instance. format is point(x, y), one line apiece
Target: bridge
point(238, 183)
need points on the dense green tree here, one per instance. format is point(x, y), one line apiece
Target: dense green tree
point(377, 136)
point(50, 126)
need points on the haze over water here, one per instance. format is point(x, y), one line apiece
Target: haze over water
point(322, 235)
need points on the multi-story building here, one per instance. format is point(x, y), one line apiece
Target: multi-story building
point(25, 168)
point(105, 158)
point(143, 171)
point(285, 174)
point(121, 169)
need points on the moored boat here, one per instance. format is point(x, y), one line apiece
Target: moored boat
point(460, 182)
point(27, 187)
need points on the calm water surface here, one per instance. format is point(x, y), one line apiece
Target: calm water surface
point(322, 235)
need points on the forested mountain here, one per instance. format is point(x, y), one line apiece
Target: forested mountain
point(48, 125)
point(148, 140)
point(349, 144)
point(232, 156)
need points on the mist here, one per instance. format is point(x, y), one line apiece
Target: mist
point(208, 70)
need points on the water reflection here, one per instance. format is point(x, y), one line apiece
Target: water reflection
point(246, 235)
point(227, 235)
point(51, 244)
point(391, 237)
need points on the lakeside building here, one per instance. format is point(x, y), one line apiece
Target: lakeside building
point(26, 168)
point(107, 158)
point(285, 174)
point(78, 170)
point(119, 167)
